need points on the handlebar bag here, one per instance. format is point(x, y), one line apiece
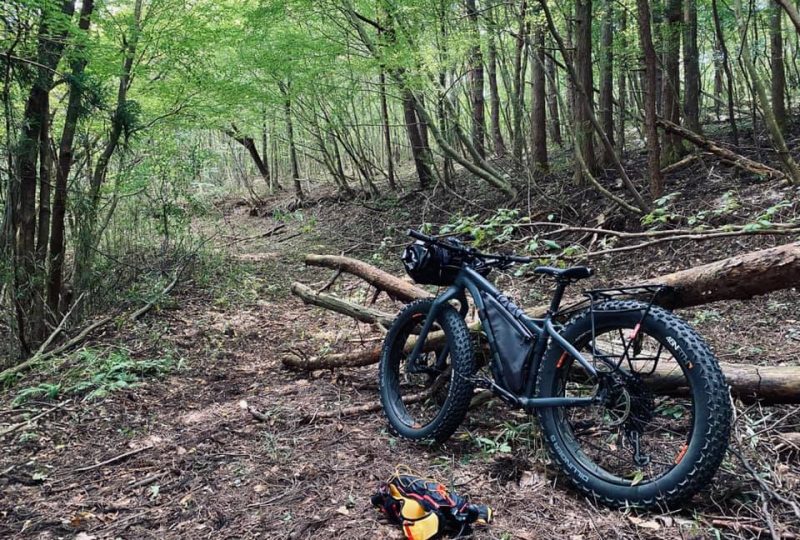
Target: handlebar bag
point(431, 265)
point(513, 342)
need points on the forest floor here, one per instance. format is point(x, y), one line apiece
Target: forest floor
point(182, 456)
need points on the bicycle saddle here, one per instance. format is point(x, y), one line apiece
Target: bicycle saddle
point(571, 274)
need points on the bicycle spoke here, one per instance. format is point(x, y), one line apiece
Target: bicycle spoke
point(661, 425)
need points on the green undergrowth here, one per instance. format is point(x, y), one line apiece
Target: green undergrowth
point(93, 373)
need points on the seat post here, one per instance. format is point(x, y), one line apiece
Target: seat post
point(561, 286)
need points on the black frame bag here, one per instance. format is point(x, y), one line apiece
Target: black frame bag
point(513, 341)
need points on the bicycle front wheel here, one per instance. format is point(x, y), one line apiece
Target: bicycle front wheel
point(429, 401)
point(662, 428)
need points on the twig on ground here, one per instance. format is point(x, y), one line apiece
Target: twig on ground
point(15, 427)
point(287, 238)
point(275, 230)
point(331, 281)
point(114, 459)
point(736, 526)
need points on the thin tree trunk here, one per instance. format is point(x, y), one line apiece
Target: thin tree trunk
point(387, 133)
point(445, 122)
point(727, 67)
point(673, 147)
point(650, 85)
point(691, 67)
point(89, 235)
point(518, 83)
point(552, 101)
point(494, 100)
point(476, 83)
point(584, 106)
point(250, 145)
point(538, 115)
point(287, 109)
point(45, 179)
point(418, 149)
point(718, 82)
point(607, 77)
point(778, 86)
point(622, 77)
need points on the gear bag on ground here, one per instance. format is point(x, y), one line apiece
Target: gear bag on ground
point(425, 508)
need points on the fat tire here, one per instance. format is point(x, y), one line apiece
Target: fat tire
point(712, 410)
point(462, 362)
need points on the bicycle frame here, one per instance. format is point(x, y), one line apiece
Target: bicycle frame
point(468, 279)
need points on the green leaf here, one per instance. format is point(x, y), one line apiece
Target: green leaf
point(551, 244)
point(637, 478)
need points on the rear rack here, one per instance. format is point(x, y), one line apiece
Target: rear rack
point(635, 291)
point(646, 294)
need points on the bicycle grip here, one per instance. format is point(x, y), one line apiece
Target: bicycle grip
point(419, 236)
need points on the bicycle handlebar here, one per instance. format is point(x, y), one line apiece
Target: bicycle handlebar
point(471, 252)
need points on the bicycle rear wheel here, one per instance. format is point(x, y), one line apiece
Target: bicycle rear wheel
point(431, 403)
point(662, 430)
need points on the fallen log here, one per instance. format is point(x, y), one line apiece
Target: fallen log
point(331, 302)
point(394, 287)
point(736, 278)
point(767, 384)
point(728, 156)
point(366, 357)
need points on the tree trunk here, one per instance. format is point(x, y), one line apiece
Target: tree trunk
point(476, 83)
point(640, 203)
point(45, 178)
point(727, 67)
point(671, 109)
point(250, 145)
point(328, 301)
point(518, 83)
point(736, 278)
point(584, 106)
point(622, 77)
point(64, 165)
point(653, 148)
point(718, 82)
point(494, 100)
point(418, 148)
point(778, 71)
point(607, 77)
point(287, 109)
point(387, 133)
point(552, 101)
point(538, 115)
point(384, 281)
point(691, 67)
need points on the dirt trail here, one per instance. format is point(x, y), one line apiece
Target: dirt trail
point(185, 459)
